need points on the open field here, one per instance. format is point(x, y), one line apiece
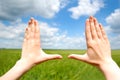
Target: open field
point(64, 69)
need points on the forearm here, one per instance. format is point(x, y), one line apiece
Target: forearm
point(17, 71)
point(110, 70)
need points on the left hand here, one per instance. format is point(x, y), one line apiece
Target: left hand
point(32, 53)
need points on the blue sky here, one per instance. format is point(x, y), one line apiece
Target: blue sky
point(62, 22)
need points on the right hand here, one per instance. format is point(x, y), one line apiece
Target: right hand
point(98, 47)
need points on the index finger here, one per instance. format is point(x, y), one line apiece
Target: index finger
point(87, 31)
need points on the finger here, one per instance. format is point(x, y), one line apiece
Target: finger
point(78, 57)
point(53, 56)
point(87, 31)
point(29, 28)
point(26, 37)
point(99, 34)
point(103, 32)
point(92, 27)
point(35, 23)
point(37, 29)
point(29, 23)
point(32, 24)
point(26, 34)
point(32, 29)
point(29, 31)
point(37, 32)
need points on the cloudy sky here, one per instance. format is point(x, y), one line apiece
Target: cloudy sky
point(61, 22)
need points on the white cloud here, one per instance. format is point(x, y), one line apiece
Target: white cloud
point(115, 42)
point(113, 28)
point(86, 8)
point(11, 36)
point(113, 20)
point(12, 9)
point(51, 37)
point(12, 31)
point(108, 29)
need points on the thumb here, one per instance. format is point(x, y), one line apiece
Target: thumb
point(53, 56)
point(78, 57)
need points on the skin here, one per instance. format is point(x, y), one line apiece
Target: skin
point(98, 50)
point(32, 53)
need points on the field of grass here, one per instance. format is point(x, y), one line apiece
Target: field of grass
point(64, 69)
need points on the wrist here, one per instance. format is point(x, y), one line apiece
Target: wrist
point(108, 62)
point(110, 69)
point(24, 64)
point(104, 65)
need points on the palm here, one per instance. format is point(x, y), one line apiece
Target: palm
point(95, 51)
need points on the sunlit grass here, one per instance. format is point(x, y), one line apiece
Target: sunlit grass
point(64, 69)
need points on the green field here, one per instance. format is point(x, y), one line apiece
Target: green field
point(64, 69)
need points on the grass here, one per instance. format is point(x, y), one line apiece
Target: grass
point(64, 69)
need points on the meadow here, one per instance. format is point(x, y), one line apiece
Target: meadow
point(64, 69)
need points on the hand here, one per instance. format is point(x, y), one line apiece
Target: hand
point(31, 50)
point(98, 50)
point(98, 47)
point(32, 53)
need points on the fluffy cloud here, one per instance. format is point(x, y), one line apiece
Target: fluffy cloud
point(51, 37)
point(115, 42)
point(11, 36)
point(86, 7)
point(12, 9)
point(113, 28)
point(113, 20)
